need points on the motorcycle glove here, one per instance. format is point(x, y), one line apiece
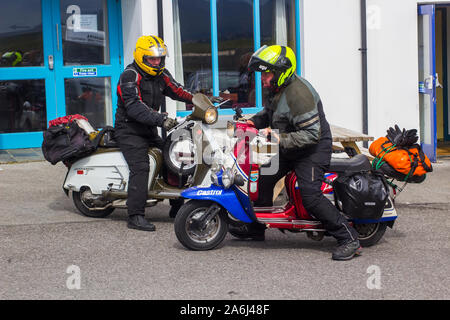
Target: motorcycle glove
point(169, 123)
point(216, 99)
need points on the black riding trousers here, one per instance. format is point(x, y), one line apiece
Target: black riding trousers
point(310, 167)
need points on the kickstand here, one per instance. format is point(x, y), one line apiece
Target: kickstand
point(180, 176)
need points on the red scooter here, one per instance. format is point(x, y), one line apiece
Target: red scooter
point(202, 223)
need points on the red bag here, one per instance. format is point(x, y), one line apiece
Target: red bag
point(66, 119)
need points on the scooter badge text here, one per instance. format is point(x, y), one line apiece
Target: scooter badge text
point(209, 192)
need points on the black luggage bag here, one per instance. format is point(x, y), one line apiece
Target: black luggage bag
point(361, 195)
point(66, 142)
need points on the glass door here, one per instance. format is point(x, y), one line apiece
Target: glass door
point(87, 58)
point(27, 85)
point(427, 80)
point(58, 57)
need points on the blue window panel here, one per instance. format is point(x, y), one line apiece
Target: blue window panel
point(257, 39)
point(214, 48)
point(297, 37)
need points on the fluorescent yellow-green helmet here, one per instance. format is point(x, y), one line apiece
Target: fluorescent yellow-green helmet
point(11, 59)
point(277, 59)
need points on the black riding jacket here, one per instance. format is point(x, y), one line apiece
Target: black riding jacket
point(140, 96)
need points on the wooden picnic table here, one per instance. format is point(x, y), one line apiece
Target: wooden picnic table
point(346, 138)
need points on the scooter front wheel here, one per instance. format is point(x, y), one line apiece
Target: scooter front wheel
point(83, 202)
point(199, 237)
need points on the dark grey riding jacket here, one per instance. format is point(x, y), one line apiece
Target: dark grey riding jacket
point(296, 111)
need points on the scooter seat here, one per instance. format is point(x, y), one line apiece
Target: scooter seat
point(356, 164)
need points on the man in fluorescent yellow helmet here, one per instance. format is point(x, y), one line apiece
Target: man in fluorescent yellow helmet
point(141, 90)
point(295, 110)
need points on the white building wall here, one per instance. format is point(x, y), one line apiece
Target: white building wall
point(331, 59)
point(140, 17)
point(171, 105)
point(392, 65)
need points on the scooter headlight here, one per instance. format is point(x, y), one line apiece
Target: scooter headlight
point(227, 178)
point(210, 115)
point(215, 179)
point(230, 129)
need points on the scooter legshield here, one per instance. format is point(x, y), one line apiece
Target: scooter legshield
point(225, 197)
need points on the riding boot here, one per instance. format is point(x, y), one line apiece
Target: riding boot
point(347, 250)
point(175, 206)
point(253, 231)
point(138, 222)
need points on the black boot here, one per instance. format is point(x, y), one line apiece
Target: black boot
point(254, 231)
point(347, 250)
point(138, 222)
point(175, 206)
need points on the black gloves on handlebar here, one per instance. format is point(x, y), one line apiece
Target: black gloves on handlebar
point(402, 138)
point(169, 123)
point(216, 99)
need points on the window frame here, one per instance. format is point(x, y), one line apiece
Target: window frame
point(257, 45)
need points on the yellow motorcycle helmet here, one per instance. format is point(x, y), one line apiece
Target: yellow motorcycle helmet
point(150, 47)
point(277, 59)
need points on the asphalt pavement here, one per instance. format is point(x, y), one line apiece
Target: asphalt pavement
point(49, 251)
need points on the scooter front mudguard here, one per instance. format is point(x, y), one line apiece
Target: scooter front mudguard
point(227, 198)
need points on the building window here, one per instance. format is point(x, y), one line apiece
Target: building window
point(199, 64)
point(90, 97)
point(192, 52)
point(277, 23)
point(235, 47)
point(22, 106)
point(21, 34)
point(84, 28)
point(277, 26)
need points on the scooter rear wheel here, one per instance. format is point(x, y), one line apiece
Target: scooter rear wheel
point(191, 236)
point(80, 202)
point(370, 233)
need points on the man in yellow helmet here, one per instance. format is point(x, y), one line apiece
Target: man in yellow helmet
point(296, 111)
point(141, 91)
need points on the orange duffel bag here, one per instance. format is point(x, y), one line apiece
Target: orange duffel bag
point(407, 160)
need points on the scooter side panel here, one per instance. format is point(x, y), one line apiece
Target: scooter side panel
point(98, 171)
point(225, 197)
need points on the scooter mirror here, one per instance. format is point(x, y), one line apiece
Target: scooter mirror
point(201, 105)
point(202, 101)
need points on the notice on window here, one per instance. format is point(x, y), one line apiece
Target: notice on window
point(96, 38)
point(84, 72)
point(85, 23)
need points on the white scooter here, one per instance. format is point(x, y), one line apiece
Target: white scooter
point(99, 181)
